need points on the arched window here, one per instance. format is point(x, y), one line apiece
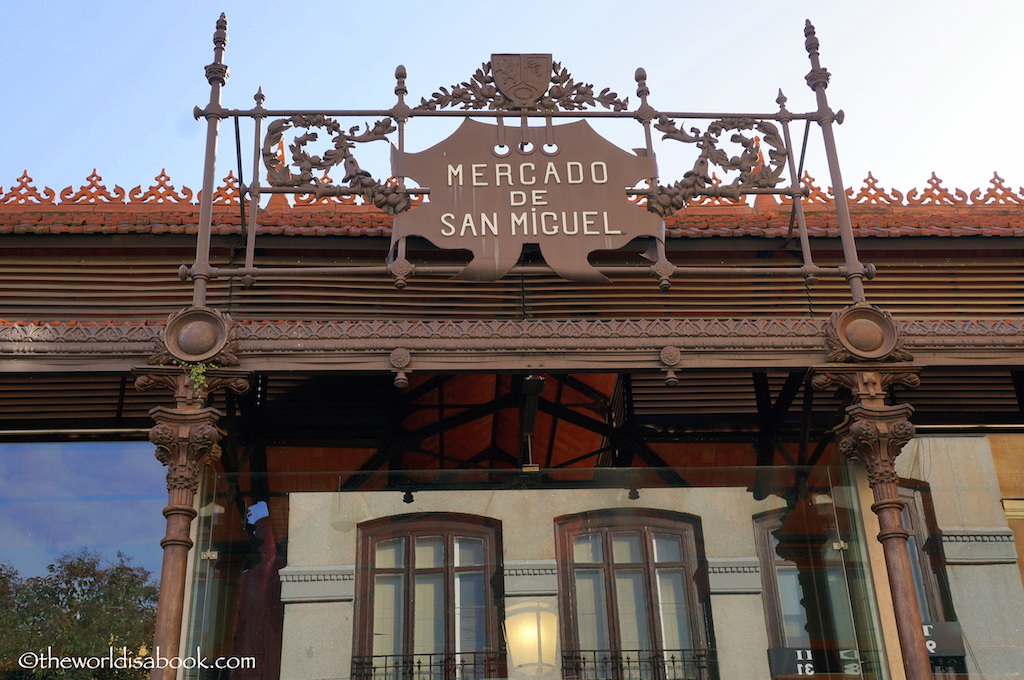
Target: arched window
point(428, 591)
point(634, 597)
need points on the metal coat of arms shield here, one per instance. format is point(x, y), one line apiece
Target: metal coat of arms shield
point(522, 78)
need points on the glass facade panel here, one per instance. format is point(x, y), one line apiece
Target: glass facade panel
point(673, 609)
point(429, 552)
point(469, 552)
point(626, 547)
point(673, 598)
point(587, 549)
point(591, 609)
point(388, 613)
point(631, 599)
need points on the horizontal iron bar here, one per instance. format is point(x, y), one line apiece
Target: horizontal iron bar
point(479, 113)
point(76, 431)
point(339, 190)
point(525, 269)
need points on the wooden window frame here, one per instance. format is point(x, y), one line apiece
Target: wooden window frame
point(764, 524)
point(411, 526)
point(648, 523)
point(919, 510)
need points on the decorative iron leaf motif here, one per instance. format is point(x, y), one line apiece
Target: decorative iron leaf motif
point(478, 92)
point(570, 95)
point(388, 197)
point(564, 92)
point(755, 172)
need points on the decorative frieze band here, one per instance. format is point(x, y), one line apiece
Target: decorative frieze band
point(317, 584)
point(792, 336)
point(689, 333)
point(734, 575)
point(974, 545)
point(531, 578)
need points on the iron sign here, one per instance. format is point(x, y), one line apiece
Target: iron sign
point(495, 189)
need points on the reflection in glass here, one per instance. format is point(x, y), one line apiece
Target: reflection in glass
point(388, 605)
point(591, 614)
point(428, 614)
point(794, 616)
point(675, 623)
point(429, 552)
point(626, 547)
point(469, 611)
point(587, 549)
point(390, 554)
point(631, 600)
point(667, 548)
point(469, 551)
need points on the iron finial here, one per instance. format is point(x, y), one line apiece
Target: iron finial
point(217, 72)
point(641, 81)
point(220, 36)
point(810, 39)
point(259, 97)
point(818, 77)
point(781, 99)
point(400, 75)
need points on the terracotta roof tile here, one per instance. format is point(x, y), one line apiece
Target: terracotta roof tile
point(163, 209)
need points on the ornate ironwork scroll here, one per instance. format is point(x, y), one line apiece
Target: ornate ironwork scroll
point(754, 172)
point(387, 197)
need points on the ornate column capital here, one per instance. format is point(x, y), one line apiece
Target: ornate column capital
point(191, 384)
point(185, 440)
point(875, 435)
point(868, 383)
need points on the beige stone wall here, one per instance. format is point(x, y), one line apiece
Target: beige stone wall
point(1008, 457)
point(981, 559)
point(322, 551)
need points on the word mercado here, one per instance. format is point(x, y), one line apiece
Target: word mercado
point(538, 221)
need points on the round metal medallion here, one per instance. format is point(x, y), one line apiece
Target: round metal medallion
point(196, 334)
point(866, 333)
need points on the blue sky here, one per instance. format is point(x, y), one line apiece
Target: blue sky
point(926, 86)
point(60, 497)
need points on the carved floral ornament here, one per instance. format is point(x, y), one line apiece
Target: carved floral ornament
point(185, 441)
point(876, 436)
point(184, 458)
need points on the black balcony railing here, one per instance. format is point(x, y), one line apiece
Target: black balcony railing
point(640, 664)
point(453, 666)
